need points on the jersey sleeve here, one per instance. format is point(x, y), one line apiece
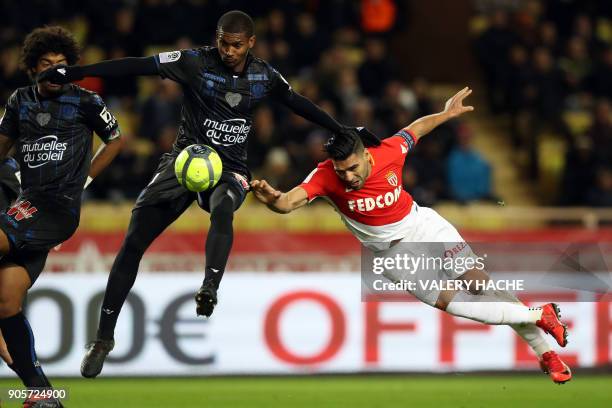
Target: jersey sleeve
point(179, 66)
point(403, 141)
point(100, 119)
point(9, 122)
point(280, 88)
point(317, 182)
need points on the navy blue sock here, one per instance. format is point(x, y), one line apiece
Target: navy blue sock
point(12, 367)
point(20, 344)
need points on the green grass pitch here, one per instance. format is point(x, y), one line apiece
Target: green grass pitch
point(446, 390)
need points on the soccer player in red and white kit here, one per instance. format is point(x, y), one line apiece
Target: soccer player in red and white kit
point(365, 187)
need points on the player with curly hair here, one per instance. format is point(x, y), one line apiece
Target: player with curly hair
point(50, 126)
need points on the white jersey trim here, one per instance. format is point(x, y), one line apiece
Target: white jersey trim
point(379, 237)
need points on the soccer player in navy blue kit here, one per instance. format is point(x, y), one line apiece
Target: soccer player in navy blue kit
point(50, 126)
point(222, 86)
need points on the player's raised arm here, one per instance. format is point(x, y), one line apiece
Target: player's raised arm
point(453, 108)
point(63, 74)
point(301, 105)
point(276, 200)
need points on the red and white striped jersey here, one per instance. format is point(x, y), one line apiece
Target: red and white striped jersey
point(378, 212)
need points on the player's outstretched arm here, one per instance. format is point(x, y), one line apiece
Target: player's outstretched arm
point(104, 156)
point(276, 200)
point(301, 105)
point(63, 74)
point(453, 108)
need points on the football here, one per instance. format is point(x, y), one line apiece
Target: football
point(198, 168)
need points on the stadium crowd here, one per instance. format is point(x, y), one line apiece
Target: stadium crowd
point(335, 53)
point(548, 66)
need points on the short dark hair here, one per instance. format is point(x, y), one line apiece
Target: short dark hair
point(340, 147)
point(48, 39)
point(236, 22)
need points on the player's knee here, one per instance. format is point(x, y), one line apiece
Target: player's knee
point(5, 245)
point(9, 306)
point(136, 242)
point(223, 213)
point(476, 278)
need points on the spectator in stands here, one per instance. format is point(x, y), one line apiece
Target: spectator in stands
point(396, 98)
point(263, 138)
point(545, 98)
point(600, 131)
point(362, 112)
point(276, 26)
point(579, 172)
point(492, 49)
point(377, 69)
point(601, 194)
point(310, 39)
point(348, 89)
point(11, 77)
point(378, 16)
point(428, 172)
point(161, 109)
point(518, 78)
point(122, 34)
point(468, 173)
point(576, 65)
point(277, 168)
point(548, 38)
point(294, 133)
point(583, 28)
point(120, 41)
point(600, 81)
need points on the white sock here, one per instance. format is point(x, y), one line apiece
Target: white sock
point(487, 308)
point(534, 336)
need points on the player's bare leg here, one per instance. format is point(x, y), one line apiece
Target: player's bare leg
point(4, 353)
point(17, 334)
point(5, 245)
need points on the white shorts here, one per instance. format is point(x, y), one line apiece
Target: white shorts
point(440, 246)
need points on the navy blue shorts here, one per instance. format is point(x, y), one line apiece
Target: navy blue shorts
point(164, 188)
point(34, 225)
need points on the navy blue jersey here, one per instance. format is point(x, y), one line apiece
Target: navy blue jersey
point(218, 105)
point(53, 138)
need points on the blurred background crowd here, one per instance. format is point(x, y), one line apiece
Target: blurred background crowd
point(546, 68)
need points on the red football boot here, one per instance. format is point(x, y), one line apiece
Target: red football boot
point(550, 323)
point(552, 365)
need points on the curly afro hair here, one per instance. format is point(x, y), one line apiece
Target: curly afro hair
point(48, 39)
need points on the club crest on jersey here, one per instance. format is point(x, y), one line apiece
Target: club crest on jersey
point(392, 178)
point(43, 118)
point(233, 99)
point(22, 210)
